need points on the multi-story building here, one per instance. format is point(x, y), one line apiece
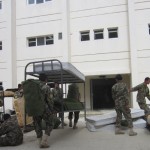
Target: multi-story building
point(101, 38)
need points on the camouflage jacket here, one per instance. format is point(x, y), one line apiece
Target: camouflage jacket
point(57, 93)
point(11, 129)
point(120, 92)
point(49, 98)
point(143, 91)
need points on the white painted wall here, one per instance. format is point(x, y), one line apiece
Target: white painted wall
point(127, 54)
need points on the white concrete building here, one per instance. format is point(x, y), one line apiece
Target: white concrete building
point(101, 38)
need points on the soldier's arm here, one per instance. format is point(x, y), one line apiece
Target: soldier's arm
point(136, 88)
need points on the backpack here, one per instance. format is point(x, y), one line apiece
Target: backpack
point(34, 97)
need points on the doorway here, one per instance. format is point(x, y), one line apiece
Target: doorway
point(101, 93)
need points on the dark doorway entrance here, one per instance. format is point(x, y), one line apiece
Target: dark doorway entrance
point(101, 89)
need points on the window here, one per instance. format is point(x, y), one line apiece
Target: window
point(149, 28)
point(31, 42)
point(60, 36)
point(0, 45)
point(113, 32)
point(49, 40)
point(0, 4)
point(37, 1)
point(85, 35)
point(98, 34)
point(31, 1)
point(42, 40)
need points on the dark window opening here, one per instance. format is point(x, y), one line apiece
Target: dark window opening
point(32, 42)
point(98, 34)
point(113, 32)
point(60, 36)
point(49, 40)
point(85, 36)
point(40, 41)
point(39, 1)
point(0, 45)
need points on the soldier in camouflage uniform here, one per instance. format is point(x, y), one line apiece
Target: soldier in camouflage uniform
point(47, 115)
point(10, 132)
point(58, 96)
point(143, 91)
point(121, 98)
point(73, 93)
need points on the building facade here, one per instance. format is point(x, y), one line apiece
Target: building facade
point(101, 38)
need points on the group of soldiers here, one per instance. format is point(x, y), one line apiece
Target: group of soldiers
point(11, 134)
point(120, 94)
point(10, 131)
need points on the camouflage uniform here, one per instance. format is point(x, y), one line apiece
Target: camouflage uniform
point(76, 96)
point(47, 115)
point(57, 96)
point(143, 91)
point(121, 98)
point(10, 133)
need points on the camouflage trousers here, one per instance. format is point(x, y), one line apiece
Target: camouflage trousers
point(123, 108)
point(48, 118)
point(145, 107)
point(76, 116)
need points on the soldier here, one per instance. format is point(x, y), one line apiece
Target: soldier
point(58, 96)
point(73, 93)
point(143, 91)
point(10, 132)
point(121, 98)
point(47, 115)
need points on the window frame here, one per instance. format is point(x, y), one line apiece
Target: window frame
point(85, 35)
point(112, 31)
point(35, 2)
point(33, 41)
point(98, 33)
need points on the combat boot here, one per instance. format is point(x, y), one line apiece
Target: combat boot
point(75, 126)
point(131, 132)
point(70, 122)
point(119, 131)
point(44, 143)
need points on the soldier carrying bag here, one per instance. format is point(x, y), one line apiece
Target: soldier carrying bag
point(34, 97)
